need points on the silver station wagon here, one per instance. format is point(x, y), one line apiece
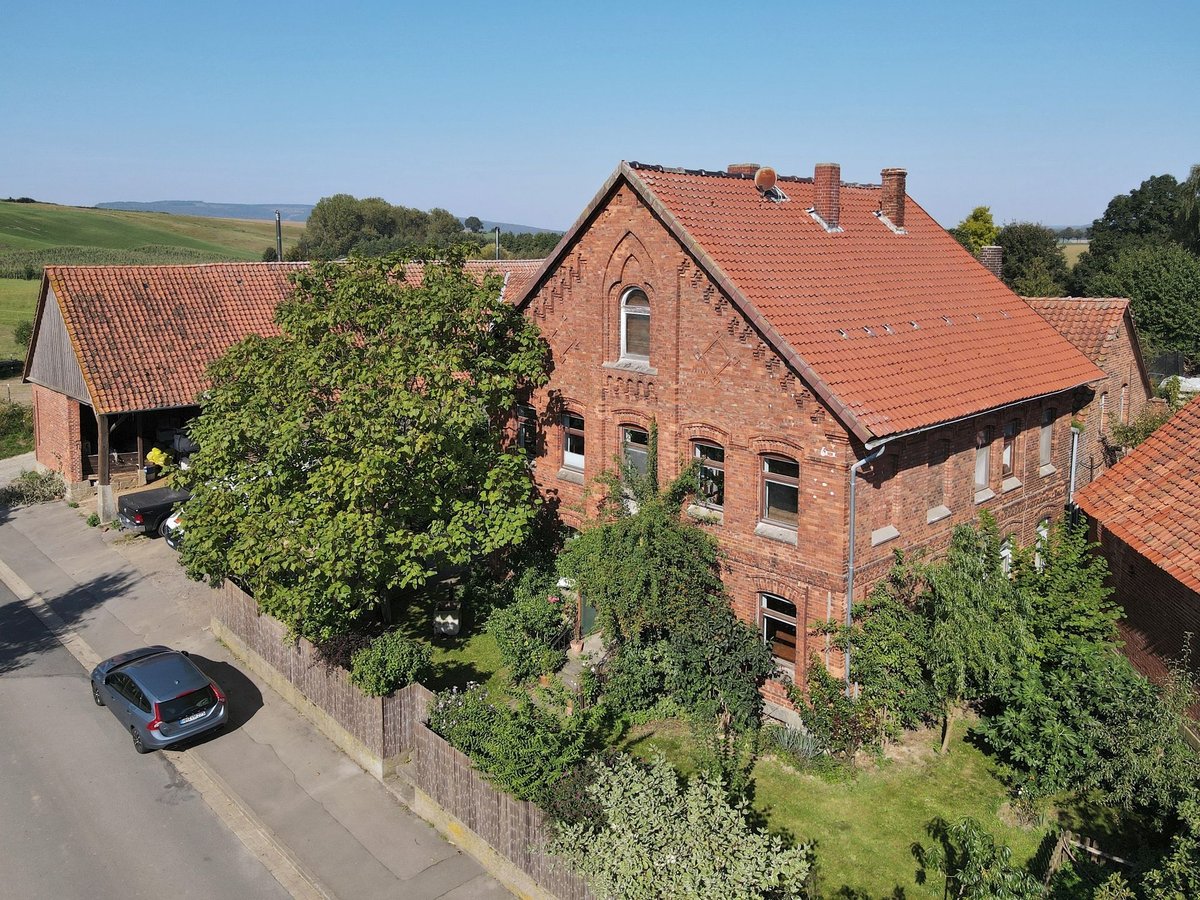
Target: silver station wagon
point(159, 696)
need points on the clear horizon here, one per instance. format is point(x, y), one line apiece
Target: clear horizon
point(519, 113)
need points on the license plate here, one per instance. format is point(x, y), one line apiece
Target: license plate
point(192, 718)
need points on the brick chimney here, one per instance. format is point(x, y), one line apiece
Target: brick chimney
point(992, 258)
point(743, 169)
point(892, 202)
point(827, 201)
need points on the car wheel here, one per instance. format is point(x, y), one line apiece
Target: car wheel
point(162, 528)
point(96, 695)
point(137, 742)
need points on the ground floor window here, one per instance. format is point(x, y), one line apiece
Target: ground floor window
point(711, 475)
point(779, 627)
point(635, 443)
point(573, 441)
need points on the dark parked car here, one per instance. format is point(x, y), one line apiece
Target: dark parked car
point(159, 696)
point(147, 511)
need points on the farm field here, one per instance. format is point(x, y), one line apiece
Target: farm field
point(33, 235)
point(18, 297)
point(1073, 251)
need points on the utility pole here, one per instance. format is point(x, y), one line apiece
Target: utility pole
point(497, 242)
point(278, 238)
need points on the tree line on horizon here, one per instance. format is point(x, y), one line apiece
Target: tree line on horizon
point(1145, 247)
point(370, 226)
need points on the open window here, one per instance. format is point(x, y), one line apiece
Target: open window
point(781, 491)
point(710, 478)
point(635, 447)
point(779, 628)
point(573, 441)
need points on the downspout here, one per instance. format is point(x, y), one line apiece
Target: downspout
point(1074, 462)
point(854, 470)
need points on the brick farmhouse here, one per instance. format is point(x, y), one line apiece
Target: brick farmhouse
point(809, 343)
point(1145, 514)
point(849, 379)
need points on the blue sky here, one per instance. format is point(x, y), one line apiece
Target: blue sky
point(518, 111)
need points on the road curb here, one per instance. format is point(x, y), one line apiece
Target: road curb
point(228, 806)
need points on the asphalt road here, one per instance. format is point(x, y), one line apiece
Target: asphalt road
point(82, 814)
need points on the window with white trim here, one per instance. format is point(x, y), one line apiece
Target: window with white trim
point(780, 491)
point(1124, 404)
point(1104, 413)
point(1046, 445)
point(1042, 542)
point(983, 458)
point(710, 477)
point(1008, 452)
point(573, 441)
point(635, 447)
point(779, 627)
point(635, 325)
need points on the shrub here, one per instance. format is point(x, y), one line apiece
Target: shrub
point(974, 865)
point(337, 651)
point(530, 632)
point(32, 487)
point(795, 743)
point(525, 750)
point(657, 837)
point(93, 520)
point(23, 333)
point(16, 429)
point(390, 662)
point(841, 725)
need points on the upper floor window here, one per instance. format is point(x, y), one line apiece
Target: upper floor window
point(1008, 452)
point(1124, 404)
point(1046, 446)
point(1042, 542)
point(635, 325)
point(1103, 413)
point(710, 479)
point(573, 443)
point(635, 446)
point(781, 491)
point(983, 458)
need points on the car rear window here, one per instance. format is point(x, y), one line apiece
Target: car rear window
point(196, 701)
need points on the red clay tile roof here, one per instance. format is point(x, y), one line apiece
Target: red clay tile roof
point(897, 331)
point(144, 335)
point(1090, 323)
point(1151, 498)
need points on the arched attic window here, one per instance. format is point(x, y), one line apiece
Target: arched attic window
point(635, 325)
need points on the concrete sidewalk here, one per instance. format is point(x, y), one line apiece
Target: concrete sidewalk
point(13, 466)
point(342, 829)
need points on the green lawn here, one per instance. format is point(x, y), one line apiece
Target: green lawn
point(17, 300)
point(864, 827)
point(461, 660)
point(16, 429)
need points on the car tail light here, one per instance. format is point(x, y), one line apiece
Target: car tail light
point(220, 693)
point(137, 518)
point(157, 721)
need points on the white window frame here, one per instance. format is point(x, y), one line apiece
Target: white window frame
point(628, 445)
point(765, 614)
point(626, 315)
point(704, 462)
point(1046, 447)
point(574, 460)
point(768, 477)
point(983, 458)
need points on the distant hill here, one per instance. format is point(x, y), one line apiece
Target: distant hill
point(289, 212)
point(33, 235)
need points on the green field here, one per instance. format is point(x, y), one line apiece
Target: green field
point(33, 235)
point(864, 826)
point(18, 297)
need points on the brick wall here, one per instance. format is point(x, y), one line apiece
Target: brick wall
point(56, 433)
point(710, 377)
point(1121, 363)
point(1159, 610)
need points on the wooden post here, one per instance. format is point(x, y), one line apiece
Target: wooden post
point(138, 423)
point(102, 448)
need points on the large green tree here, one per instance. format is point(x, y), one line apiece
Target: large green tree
point(1187, 222)
point(977, 230)
point(1163, 281)
point(352, 455)
point(1034, 265)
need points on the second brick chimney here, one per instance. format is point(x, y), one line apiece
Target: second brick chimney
point(827, 200)
point(892, 202)
point(743, 169)
point(992, 258)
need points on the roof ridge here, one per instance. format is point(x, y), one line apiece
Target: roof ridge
point(740, 176)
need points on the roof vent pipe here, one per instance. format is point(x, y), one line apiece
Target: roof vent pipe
point(892, 202)
point(827, 186)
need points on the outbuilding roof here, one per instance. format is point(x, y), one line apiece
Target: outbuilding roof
point(1151, 498)
point(144, 336)
point(1090, 323)
point(897, 329)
